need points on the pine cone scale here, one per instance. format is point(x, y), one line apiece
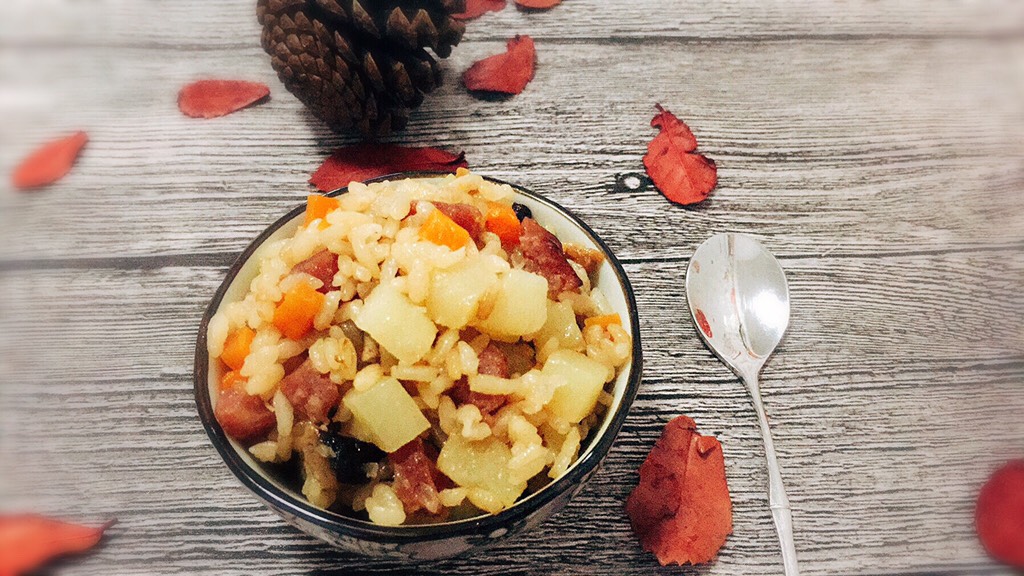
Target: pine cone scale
point(359, 64)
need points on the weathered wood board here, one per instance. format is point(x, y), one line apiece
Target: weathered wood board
point(874, 146)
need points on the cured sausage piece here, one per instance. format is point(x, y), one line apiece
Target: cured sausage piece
point(243, 417)
point(492, 362)
point(464, 215)
point(416, 478)
point(312, 394)
point(323, 266)
point(543, 254)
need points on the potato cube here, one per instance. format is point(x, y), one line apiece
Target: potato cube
point(481, 466)
point(401, 327)
point(388, 413)
point(360, 430)
point(582, 382)
point(520, 308)
point(561, 325)
point(455, 293)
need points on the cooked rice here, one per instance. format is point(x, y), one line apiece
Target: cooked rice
point(376, 240)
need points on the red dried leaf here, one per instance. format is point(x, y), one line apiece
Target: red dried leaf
point(674, 133)
point(213, 98)
point(506, 73)
point(49, 163)
point(999, 517)
point(681, 175)
point(364, 161)
point(681, 510)
point(537, 4)
point(682, 178)
point(29, 541)
point(477, 8)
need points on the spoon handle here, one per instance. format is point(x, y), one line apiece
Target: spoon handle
point(777, 499)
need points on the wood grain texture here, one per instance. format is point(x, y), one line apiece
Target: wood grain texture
point(846, 149)
point(873, 474)
point(874, 146)
point(169, 24)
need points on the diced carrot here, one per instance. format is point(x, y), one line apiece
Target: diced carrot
point(501, 219)
point(443, 231)
point(236, 347)
point(295, 313)
point(602, 321)
point(317, 207)
point(233, 379)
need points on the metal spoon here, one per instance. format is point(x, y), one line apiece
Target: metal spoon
point(739, 300)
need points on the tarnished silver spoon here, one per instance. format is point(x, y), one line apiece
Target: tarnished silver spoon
point(739, 300)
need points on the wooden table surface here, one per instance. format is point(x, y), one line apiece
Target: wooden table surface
point(875, 146)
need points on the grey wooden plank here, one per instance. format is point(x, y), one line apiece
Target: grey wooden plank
point(823, 147)
point(116, 469)
point(872, 312)
point(891, 398)
point(874, 145)
point(220, 24)
point(850, 518)
point(135, 446)
point(917, 448)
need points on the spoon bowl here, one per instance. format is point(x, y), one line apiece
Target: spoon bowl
point(739, 299)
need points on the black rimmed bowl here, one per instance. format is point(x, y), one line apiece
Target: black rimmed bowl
point(424, 542)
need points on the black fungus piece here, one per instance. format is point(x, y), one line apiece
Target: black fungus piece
point(350, 456)
point(522, 211)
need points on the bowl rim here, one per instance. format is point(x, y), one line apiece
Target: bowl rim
point(361, 529)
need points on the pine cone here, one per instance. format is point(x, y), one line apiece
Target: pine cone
point(360, 64)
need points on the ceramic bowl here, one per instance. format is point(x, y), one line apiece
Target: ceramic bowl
point(424, 542)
